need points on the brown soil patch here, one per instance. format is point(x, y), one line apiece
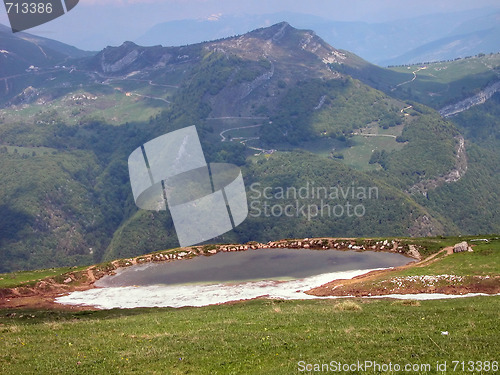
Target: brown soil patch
point(43, 294)
point(359, 286)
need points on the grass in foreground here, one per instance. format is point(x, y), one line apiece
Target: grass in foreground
point(29, 278)
point(256, 337)
point(483, 261)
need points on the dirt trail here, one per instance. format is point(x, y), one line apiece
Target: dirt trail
point(376, 135)
point(244, 140)
point(427, 261)
point(411, 80)
point(150, 97)
point(90, 275)
point(328, 288)
point(221, 134)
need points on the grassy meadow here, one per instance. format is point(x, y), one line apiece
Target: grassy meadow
point(255, 337)
point(263, 336)
point(442, 83)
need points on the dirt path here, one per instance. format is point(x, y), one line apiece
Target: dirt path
point(237, 128)
point(91, 276)
point(406, 108)
point(411, 80)
point(427, 261)
point(243, 140)
point(150, 97)
point(376, 135)
point(328, 288)
point(386, 282)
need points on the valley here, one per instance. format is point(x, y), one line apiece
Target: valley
point(373, 196)
point(278, 101)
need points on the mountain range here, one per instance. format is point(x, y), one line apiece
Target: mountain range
point(432, 37)
point(291, 110)
point(21, 50)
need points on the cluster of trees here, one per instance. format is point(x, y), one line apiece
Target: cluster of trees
point(430, 151)
point(76, 206)
point(481, 124)
point(440, 61)
point(333, 109)
point(379, 157)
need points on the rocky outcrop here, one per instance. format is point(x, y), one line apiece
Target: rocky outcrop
point(425, 226)
point(260, 80)
point(461, 247)
point(120, 64)
point(413, 252)
point(454, 175)
point(394, 246)
point(465, 104)
point(129, 58)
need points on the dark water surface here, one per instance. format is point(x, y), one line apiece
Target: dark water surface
point(262, 264)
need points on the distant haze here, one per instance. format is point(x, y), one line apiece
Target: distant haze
point(95, 24)
point(420, 39)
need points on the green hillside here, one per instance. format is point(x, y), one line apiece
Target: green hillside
point(443, 83)
point(481, 124)
point(280, 103)
point(435, 84)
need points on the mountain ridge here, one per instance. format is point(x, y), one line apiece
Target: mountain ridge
point(358, 37)
point(279, 102)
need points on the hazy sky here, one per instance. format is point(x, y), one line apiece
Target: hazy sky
point(114, 21)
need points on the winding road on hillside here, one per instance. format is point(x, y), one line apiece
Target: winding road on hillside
point(411, 80)
point(376, 135)
point(238, 128)
point(244, 140)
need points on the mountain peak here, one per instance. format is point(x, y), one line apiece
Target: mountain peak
point(282, 43)
point(273, 33)
point(128, 43)
point(292, 51)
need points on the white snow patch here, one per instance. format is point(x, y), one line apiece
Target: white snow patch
point(431, 296)
point(201, 295)
point(210, 294)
